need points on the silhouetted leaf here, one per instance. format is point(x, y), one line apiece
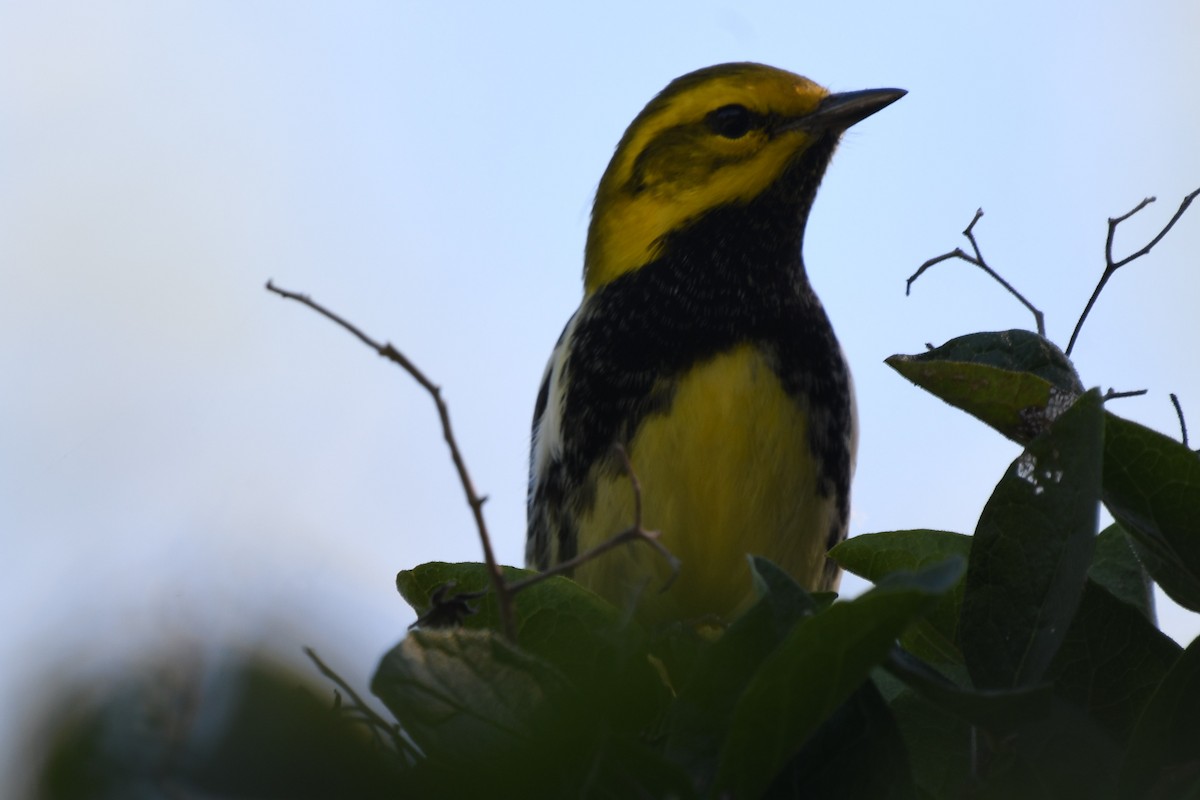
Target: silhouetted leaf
point(1115, 567)
point(1163, 760)
point(821, 662)
point(1031, 552)
point(1111, 661)
point(1152, 487)
point(997, 711)
point(830, 764)
point(701, 714)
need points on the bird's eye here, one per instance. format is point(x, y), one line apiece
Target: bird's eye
point(732, 121)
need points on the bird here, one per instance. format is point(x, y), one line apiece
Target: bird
point(702, 350)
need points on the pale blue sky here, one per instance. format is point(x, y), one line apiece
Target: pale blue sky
point(183, 457)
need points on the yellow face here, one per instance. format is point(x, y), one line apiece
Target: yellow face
point(717, 136)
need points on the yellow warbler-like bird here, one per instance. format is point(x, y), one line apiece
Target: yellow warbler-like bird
point(701, 348)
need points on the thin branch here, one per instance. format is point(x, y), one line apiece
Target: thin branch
point(1111, 266)
point(634, 533)
point(370, 718)
point(446, 609)
point(1113, 394)
point(1182, 422)
point(978, 261)
point(504, 597)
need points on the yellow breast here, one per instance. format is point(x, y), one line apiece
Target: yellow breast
point(727, 471)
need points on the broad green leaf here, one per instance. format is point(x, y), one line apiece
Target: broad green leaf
point(996, 711)
point(1055, 753)
point(815, 669)
point(937, 741)
point(487, 715)
point(1116, 568)
point(1111, 661)
point(938, 744)
point(1031, 552)
point(473, 701)
point(560, 621)
point(700, 715)
point(1015, 381)
point(419, 585)
point(1064, 751)
point(494, 719)
point(875, 555)
point(1163, 759)
point(831, 763)
point(1016, 759)
point(1152, 487)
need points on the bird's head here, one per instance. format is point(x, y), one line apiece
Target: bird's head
point(717, 136)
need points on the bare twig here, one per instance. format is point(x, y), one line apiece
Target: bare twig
point(1182, 423)
point(978, 261)
point(454, 607)
point(1113, 394)
point(447, 609)
point(1111, 266)
point(475, 501)
point(371, 719)
point(634, 533)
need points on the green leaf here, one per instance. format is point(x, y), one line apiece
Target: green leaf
point(1015, 381)
point(815, 669)
point(830, 764)
point(875, 555)
point(1152, 487)
point(1031, 552)
point(1053, 753)
point(938, 743)
point(779, 595)
point(470, 696)
point(494, 719)
point(1163, 759)
point(1115, 567)
point(1111, 661)
point(999, 712)
point(1063, 750)
point(700, 715)
point(558, 620)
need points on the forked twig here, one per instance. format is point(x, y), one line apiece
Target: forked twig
point(978, 261)
point(1111, 266)
point(475, 501)
point(371, 719)
point(453, 607)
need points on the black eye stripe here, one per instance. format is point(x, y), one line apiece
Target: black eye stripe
point(733, 121)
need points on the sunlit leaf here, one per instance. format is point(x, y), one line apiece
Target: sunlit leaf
point(1015, 381)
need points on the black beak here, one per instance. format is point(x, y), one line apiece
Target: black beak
point(839, 111)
